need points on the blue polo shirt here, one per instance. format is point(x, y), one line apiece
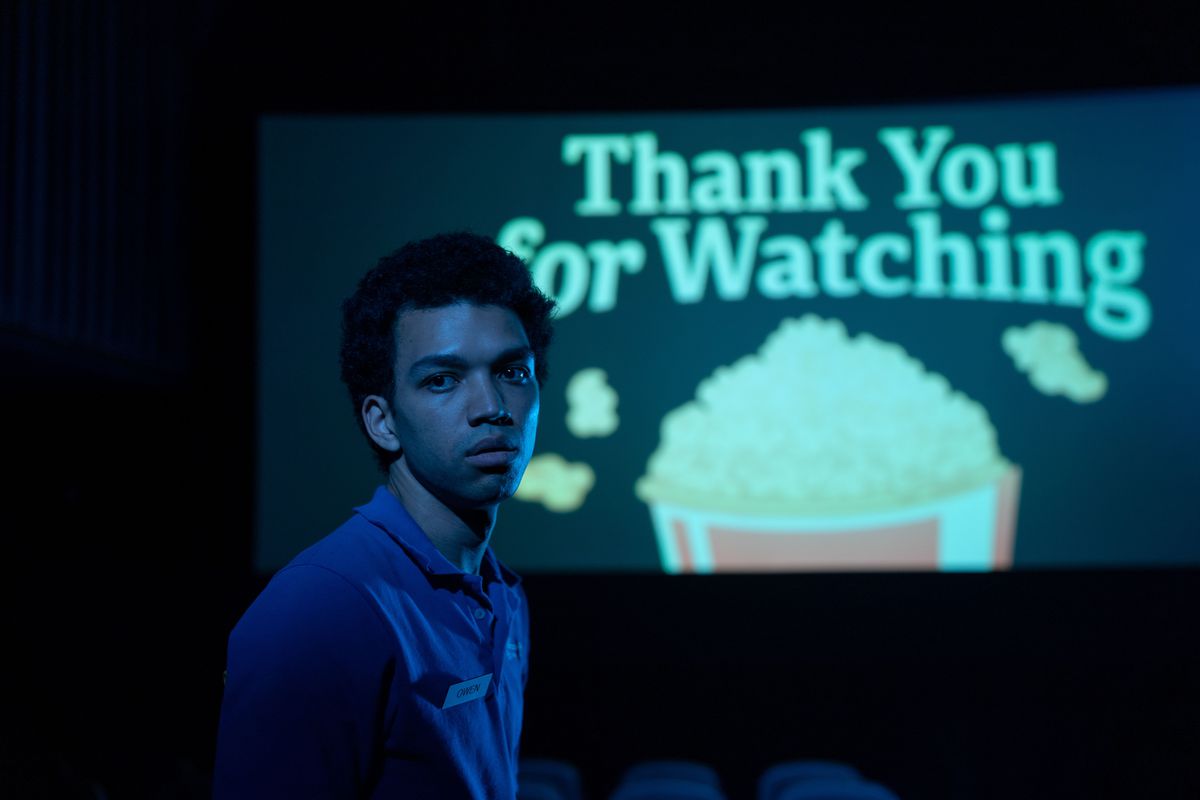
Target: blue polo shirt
point(370, 666)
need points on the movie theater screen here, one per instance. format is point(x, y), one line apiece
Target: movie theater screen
point(955, 337)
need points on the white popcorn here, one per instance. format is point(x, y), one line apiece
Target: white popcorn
point(819, 422)
point(556, 483)
point(1049, 354)
point(591, 404)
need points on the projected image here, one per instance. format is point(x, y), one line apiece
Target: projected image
point(1049, 355)
point(556, 483)
point(591, 404)
point(952, 337)
point(823, 450)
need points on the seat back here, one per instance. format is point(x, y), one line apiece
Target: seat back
point(784, 774)
point(537, 776)
point(836, 789)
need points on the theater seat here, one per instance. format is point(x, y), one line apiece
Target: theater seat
point(548, 779)
point(539, 791)
point(693, 771)
point(666, 789)
point(782, 775)
point(836, 789)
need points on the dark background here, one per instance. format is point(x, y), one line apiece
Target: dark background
point(127, 233)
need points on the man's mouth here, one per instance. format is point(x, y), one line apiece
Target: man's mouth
point(494, 451)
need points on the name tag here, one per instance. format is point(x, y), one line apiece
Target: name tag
point(467, 691)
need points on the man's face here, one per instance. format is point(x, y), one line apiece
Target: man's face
point(466, 402)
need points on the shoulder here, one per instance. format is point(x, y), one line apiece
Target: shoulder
point(336, 588)
point(352, 550)
point(308, 606)
point(332, 569)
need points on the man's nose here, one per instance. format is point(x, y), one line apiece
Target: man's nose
point(487, 403)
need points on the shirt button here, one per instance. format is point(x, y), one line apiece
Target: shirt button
point(480, 613)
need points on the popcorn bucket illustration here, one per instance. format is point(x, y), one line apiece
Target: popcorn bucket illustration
point(823, 451)
point(971, 531)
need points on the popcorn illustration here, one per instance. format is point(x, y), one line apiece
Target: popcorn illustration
point(591, 404)
point(823, 451)
point(1049, 354)
point(556, 483)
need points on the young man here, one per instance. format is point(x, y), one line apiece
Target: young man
point(390, 658)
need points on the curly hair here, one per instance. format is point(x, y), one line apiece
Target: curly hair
point(439, 271)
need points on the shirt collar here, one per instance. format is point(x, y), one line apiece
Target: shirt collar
point(387, 512)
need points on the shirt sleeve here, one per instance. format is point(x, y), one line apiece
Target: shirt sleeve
point(308, 671)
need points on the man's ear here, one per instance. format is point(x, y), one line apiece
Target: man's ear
point(377, 418)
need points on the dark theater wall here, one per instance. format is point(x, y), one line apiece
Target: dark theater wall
point(130, 497)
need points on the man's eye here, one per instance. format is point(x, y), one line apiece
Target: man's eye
point(515, 374)
point(440, 382)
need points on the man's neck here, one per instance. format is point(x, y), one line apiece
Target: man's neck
point(462, 536)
